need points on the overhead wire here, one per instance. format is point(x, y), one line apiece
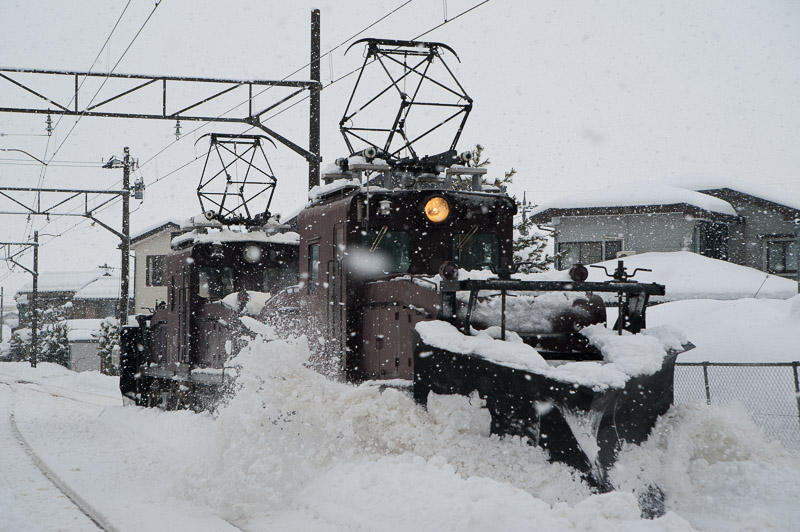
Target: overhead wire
point(43, 170)
point(109, 203)
point(204, 124)
point(29, 224)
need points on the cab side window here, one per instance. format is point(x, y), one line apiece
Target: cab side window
point(313, 267)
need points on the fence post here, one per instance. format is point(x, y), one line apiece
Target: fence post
point(708, 388)
point(796, 387)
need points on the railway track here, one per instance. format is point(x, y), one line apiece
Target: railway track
point(80, 503)
point(78, 511)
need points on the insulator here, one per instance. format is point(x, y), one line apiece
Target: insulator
point(370, 152)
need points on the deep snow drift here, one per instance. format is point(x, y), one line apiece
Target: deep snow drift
point(294, 450)
point(744, 330)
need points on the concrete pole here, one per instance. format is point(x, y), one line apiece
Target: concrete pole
point(314, 101)
point(34, 297)
point(126, 239)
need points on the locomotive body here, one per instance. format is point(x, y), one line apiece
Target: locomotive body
point(187, 339)
point(367, 255)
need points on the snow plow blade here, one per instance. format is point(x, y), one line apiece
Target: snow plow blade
point(576, 424)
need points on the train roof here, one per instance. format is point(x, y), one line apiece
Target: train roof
point(189, 239)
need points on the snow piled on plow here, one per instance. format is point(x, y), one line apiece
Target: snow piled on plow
point(296, 451)
point(624, 356)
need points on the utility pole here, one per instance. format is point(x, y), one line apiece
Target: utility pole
point(125, 237)
point(314, 102)
point(2, 302)
point(34, 297)
point(11, 257)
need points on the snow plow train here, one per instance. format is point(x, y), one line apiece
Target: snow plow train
point(400, 268)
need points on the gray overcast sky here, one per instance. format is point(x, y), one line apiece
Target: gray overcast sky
point(571, 94)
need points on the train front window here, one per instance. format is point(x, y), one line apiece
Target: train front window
point(214, 282)
point(476, 251)
point(393, 248)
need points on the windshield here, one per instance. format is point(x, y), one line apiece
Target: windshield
point(476, 251)
point(214, 282)
point(391, 246)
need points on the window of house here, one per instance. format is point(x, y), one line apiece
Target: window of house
point(611, 248)
point(571, 253)
point(313, 267)
point(712, 239)
point(782, 256)
point(156, 270)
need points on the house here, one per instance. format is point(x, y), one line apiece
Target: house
point(150, 247)
point(723, 223)
point(83, 337)
point(55, 289)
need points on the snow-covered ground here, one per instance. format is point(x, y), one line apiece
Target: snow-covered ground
point(296, 451)
point(742, 330)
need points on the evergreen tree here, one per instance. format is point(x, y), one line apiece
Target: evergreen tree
point(53, 341)
point(530, 243)
point(19, 345)
point(108, 343)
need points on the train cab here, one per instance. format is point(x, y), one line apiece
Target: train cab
point(209, 277)
point(366, 257)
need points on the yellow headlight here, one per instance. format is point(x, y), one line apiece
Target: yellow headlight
point(437, 209)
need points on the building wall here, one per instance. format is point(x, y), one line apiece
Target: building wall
point(83, 356)
point(94, 308)
point(749, 246)
point(639, 232)
point(147, 296)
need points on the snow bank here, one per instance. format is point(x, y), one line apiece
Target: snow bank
point(716, 468)
point(688, 275)
point(289, 426)
point(744, 330)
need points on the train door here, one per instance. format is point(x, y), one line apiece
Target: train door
point(185, 314)
point(336, 290)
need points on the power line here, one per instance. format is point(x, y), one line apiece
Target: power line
point(43, 170)
point(204, 124)
point(105, 80)
point(109, 203)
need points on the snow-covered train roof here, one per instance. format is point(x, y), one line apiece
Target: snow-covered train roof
point(226, 235)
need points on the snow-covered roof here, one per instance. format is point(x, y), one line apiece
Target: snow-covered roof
point(153, 228)
point(62, 281)
point(83, 330)
point(105, 287)
point(227, 235)
point(340, 184)
point(763, 192)
point(638, 195)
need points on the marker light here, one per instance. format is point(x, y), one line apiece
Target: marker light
point(437, 209)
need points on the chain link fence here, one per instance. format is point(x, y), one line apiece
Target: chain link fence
point(769, 391)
